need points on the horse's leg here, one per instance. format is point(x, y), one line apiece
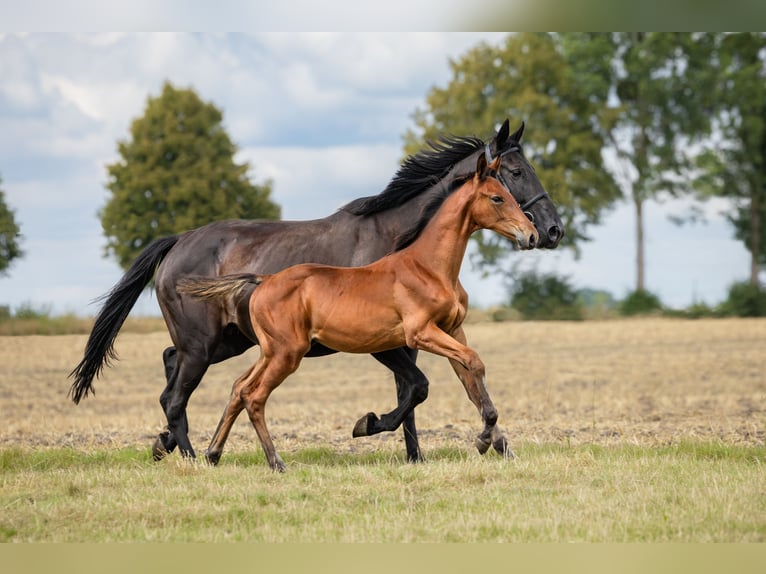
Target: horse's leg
point(496, 437)
point(468, 367)
point(256, 391)
point(230, 414)
point(189, 372)
point(165, 442)
point(411, 390)
point(233, 343)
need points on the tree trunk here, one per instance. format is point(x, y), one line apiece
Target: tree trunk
point(639, 204)
point(755, 237)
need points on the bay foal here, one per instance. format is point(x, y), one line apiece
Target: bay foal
point(411, 297)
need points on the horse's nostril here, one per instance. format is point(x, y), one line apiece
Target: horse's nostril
point(554, 232)
point(532, 242)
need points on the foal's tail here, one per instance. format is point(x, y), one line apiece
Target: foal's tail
point(217, 287)
point(99, 350)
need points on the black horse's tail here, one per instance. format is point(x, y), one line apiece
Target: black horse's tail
point(99, 350)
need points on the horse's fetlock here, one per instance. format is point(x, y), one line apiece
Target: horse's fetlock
point(490, 417)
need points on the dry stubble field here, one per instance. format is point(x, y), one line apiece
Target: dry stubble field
point(644, 382)
point(626, 430)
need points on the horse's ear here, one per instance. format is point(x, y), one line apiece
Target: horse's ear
point(502, 135)
point(481, 166)
point(519, 132)
point(495, 165)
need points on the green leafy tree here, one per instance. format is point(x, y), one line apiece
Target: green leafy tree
point(528, 77)
point(735, 168)
point(10, 236)
point(660, 88)
point(176, 172)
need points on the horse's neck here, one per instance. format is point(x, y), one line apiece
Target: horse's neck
point(443, 242)
point(386, 226)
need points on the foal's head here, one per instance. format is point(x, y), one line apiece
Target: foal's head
point(493, 207)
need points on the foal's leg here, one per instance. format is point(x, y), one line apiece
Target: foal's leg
point(256, 391)
point(230, 414)
point(496, 438)
point(411, 390)
point(469, 369)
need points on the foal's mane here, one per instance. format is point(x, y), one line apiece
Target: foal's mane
point(428, 212)
point(418, 173)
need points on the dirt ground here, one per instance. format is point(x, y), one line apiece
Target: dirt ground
point(638, 381)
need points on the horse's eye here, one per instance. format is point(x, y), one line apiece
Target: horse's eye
point(516, 172)
point(497, 199)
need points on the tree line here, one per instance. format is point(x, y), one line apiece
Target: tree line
point(615, 116)
point(675, 113)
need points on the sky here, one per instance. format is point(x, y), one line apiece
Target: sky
point(320, 114)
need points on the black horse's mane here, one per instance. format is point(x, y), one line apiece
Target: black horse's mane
point(428, 212)
point(418, 173)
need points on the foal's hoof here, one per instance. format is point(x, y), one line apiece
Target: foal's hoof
point(212, 457)
point(159, 451)
point(482, 445)
point(365, 425)
point(503, 448)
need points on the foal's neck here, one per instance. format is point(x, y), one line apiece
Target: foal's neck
point(442, 244)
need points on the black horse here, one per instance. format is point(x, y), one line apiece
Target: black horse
point(361, 232)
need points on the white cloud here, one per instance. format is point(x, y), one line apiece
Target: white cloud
point(314, 182)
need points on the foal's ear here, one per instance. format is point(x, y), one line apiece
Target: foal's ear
point(481, 166)
point(519, 132)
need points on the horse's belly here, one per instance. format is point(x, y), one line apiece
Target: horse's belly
point(361, 335)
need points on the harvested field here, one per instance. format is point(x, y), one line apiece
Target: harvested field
point(641, 381)
point(626, 431)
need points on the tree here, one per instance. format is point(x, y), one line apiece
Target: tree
point(176, 172)
point(660, 88)
point(529, 78)
point(10, 235)
point(735, 167)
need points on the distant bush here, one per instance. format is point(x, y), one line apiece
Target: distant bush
point(545, 296)
point(500, 314)
point(694, 311)
point(29, 311)
point(597, 303)
point(745, 300)
point(640, 302)
point(38, 319)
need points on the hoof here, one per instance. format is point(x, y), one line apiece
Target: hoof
point(278, 465)
point(482, 445)
point(416, 459)
point(213, 458)
point(365, 425)
point(503, 448)
point(159, 450)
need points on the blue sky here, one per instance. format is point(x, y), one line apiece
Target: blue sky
point(321, 114)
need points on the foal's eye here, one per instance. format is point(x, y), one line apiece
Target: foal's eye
point(497, 199)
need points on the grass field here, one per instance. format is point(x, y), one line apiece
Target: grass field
point(625, 430)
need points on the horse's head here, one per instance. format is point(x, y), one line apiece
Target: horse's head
point(493, 207)
point(520, 178)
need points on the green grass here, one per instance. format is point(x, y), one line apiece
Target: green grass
point(699, 492)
